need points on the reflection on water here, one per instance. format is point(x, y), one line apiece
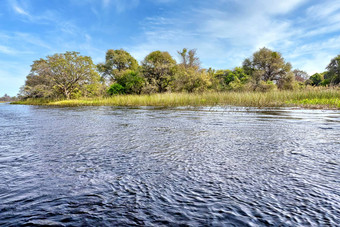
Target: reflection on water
point(153, 166)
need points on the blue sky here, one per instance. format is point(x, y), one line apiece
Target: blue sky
point(225, 32)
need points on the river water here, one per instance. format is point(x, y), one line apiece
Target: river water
point(104, 166)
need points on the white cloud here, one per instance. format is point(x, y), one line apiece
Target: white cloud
point(120, 5)
point(19, 10)
point(222, 36)
point(7, 50)
point(227, 32)
point(323, 10)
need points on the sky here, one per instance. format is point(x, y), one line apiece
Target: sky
point(224, 32)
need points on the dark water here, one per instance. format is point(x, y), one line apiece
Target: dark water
point(104, 166)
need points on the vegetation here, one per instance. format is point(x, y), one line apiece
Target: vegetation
point(68, 75)
point(116, 63)
point(7, 98)
point(312, 97)
point(265, 79)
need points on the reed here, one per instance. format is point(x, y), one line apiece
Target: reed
point(311, 98)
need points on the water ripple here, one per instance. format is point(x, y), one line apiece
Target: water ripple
point(149, 166)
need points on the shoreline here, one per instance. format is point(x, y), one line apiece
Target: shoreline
point(312, 99)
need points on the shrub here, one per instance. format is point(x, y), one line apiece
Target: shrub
point(116, 89)
point(131, 81)
point(263, 86)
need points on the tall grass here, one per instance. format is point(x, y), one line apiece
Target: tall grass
point(320, 99)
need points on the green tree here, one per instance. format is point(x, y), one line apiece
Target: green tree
point(189, 76)
point(38, 83)
point(70, 71)
point(315, 79)
point(267, 65)
point(232, 79)
point(131, 81)
point(334, 70)
point(60, 74)
point(116, 63)
point(191, 80)
point(159, 69)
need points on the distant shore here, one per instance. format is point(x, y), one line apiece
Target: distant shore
point(321, 99)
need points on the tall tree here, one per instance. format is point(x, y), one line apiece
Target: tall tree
point(159, 69)
point(60, 73)
point(267, 65)
point(38, 82)
point(334, 70)
point(71, 70)
point(189, 58)
point(116, 63)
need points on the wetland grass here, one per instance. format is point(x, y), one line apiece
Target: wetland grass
point(310, 98)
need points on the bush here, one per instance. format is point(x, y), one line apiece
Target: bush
point(116, 89)
point(265, 86)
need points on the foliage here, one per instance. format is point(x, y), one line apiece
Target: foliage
point(327, 98)
point(70, 75)
point(287, 81)
point(131, 81)
point(39, 83)
point(300, 75)
point(232, 79)
point(315, 79)
point(116, 63)
point(60, 74)
point(267, 65)
point(265, 86)
point(159, 69)
point(334, 70)
point(7, 98)
point(191, 80)
point(189, 76)
point(116, 89)
point(189, 58)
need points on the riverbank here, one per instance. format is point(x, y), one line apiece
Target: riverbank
point(313, 98)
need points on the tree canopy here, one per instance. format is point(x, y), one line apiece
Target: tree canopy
point(334, 70)
point(189, 58)
point(267, 65)
point(72, 75)
point(60, 74)
point(159, 69)
point(116, 63)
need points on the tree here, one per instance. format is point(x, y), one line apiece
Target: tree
point(232, 79)
point(189, 76)
point(38, 82)
point(189, 58)
point(191, 80)
point(131, 81)
point(60, 74)
point(116, 63)
point(70, 70)
point(315, 79)
point(267, 65)
point(334, 70)
point(300, 75)
point(6, 98)
point(159, 69)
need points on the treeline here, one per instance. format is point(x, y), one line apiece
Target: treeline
point(70, 75)
point(7, 98)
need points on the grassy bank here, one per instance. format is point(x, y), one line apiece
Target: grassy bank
point(311, 98)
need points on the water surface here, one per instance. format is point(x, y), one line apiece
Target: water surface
point(151, 166)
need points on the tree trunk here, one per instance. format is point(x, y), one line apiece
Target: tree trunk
point(67, 93)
